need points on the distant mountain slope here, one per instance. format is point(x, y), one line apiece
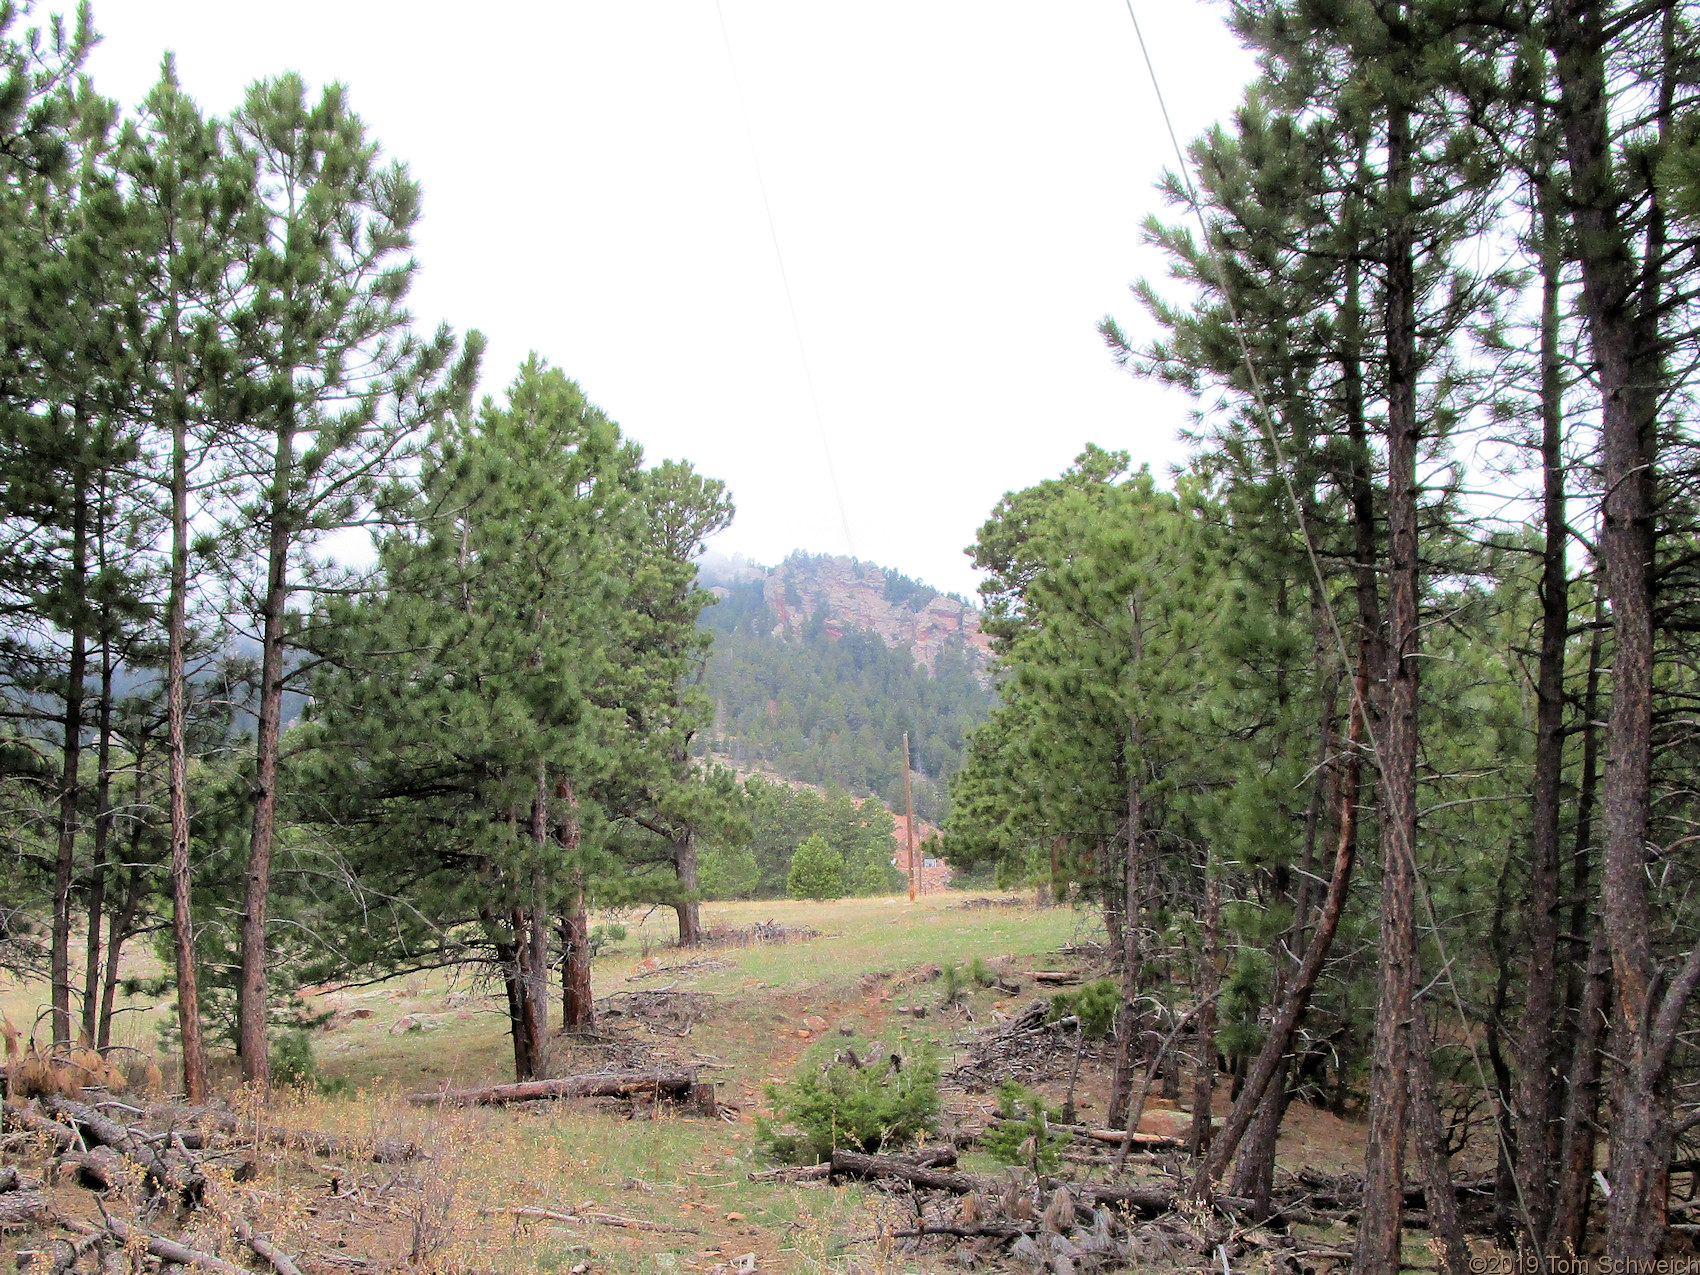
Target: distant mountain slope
point(821, 664)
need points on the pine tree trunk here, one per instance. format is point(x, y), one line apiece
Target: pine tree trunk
point(251, 1004)
point(687, 907)
point(70, 784)
point(1569, 1227)
point(1621, 303)
point(1204, 1067)
point(1380, 1222)
point(578, 1005)
point(1128, 1015)
point(1254, 1173)
point(102, 834)
point(1297, 998)
point(1537, 1091)
point(117, 930)
point(182, 912)
point(1429, 1136)
point(508, 955)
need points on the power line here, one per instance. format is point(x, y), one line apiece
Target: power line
point(785, 278)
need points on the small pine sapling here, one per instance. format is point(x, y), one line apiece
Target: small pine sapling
point(1092, 1011)
point(884, 1102)
point(1022, 1134)
point(953, 986)
point(981, 973)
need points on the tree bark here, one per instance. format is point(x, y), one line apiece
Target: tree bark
point(70, 787)
point(1537, 1091)
point(1204, 1065)
point(1380, 1222)
point(1621, 299)
point(96, 911)
point(687, 907)
point(1429, 1136)
point(1297, 998)
point(1569, 1227)
point(578, 1004)
point(182, 910)
point(251, 1004)
point(1128, 1015)
point(676, 1083)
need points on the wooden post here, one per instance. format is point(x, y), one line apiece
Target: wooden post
point(909, 822)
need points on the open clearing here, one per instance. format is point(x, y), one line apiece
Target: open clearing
point(744, 1014)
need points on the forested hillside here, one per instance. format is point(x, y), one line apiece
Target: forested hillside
point(817, 671)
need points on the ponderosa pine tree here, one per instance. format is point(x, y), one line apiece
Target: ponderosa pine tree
point(349, 390)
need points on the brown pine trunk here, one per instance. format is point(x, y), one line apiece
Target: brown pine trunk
point(1204, 1065)
point(688, 909)
point(1537, 1090)
point(1128, 1016)
point(1254, 1174)
point(251, 1003)
point(1268, 1061)
point(578, 1005)
point(1429, 1136)
point(1621, 300)
point(118, 929)
point(1380, 1222)
point(1569, 1228)
point(102, 834)
point(70, 784)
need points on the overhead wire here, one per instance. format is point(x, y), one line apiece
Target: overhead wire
point(785, 280)
point(1259, 398)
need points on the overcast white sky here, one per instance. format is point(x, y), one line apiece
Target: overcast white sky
point(956, 187)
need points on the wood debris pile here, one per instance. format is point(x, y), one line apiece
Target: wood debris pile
point(1021, 1047)
point(1069, 1228)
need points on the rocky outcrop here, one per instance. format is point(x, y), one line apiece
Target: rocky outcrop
point(859, 595)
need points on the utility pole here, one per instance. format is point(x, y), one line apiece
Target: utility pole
point(909, 820)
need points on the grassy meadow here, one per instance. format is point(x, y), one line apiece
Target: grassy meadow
point(751, 1015)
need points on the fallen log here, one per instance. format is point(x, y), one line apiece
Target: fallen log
point(264, 1248)
point(853, 1164)
point(108, 1132)
point(64, 1255)
point(673, 1084)
point(162, 1248)
point(99, 1168)
point(793, 1173)
point(8, 1177)
point(22, 1208)
point(1115, 1137)
point(1055, 978)
point(25, 1117)
point(597, 1219)
point(334, 1145)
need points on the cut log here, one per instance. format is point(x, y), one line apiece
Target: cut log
point(1055, 978)
point(671, 1084)
point(162, 1248)
point(8, 1177)
point(1141, 1141)
point(99, 1168)
point(99, 1128)
point(853, 1164)
point(22, 1208)
point(25, 1117)
point(794, 1173)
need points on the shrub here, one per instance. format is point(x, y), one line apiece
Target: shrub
point(980, 972)
point(293, 1065)
point(862, 1107)
point(817, 871)
point(1024, 1134)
